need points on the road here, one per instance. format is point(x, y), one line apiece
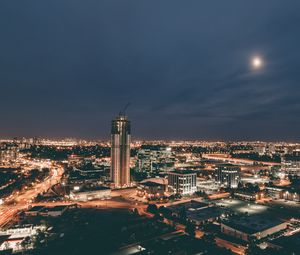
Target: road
point(227, 158)
point(20, 200)
point(116, 202)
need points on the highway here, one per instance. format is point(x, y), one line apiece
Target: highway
point(228, 159)
point(21, 200)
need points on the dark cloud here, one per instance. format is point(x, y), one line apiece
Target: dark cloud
point(68, 67)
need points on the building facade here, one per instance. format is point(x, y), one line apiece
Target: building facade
point(120, 151)
point(153, 158)
point(151, 189)
point(228, 175)
point(87, 194)
point(252, 227)
point(183, 182)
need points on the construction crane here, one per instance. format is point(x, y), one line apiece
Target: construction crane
point(124, 109)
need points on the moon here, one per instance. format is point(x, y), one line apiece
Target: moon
point(257, 62)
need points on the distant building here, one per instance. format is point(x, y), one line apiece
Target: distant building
point(283, 193)
point(183, 182)
point(74, 160)
point(152, 158)
point(260, 149)
point(228, 175)
point(291, 164)
point(120, 151)
point(252, 227)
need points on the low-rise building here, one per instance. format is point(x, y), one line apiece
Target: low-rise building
point(207, 186)
point(90, 193)
point(285, 193)
point(55, 211)
point(252, 227)
point(12, 238)
point(248, 195)
point(204, 215)
point(34, 211)
point(151, 189)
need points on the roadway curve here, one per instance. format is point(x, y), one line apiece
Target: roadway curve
point(21, 200)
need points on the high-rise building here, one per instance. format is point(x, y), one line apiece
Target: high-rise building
point(120, 151)
point(228, 175)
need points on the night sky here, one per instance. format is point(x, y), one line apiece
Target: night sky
point(68, 67)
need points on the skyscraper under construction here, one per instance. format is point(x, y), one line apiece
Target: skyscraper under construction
point(120, 151)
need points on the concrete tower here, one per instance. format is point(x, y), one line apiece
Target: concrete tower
point(120, 151)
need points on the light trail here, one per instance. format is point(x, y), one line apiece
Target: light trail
point(21, 200)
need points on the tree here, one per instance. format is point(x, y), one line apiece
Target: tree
point(25, 243)
point(190, 229)
point(152, 208)
point(165, 212)
point(208, 238)
point(182, 213)
point(158, 217)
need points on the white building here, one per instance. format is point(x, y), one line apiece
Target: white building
point(17, 234)
point(183, 182)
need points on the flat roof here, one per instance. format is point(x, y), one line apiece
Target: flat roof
point(36, 208)
point(158, 180)
point(252, 224)
point(92, 188)
point(55, 208)
point(152, 184)
point(183, 172)
point(204, 214)
point(191, 205)
point(285, 241)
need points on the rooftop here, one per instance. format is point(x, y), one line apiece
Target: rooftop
point(204, 214)
point(36, 208)
point(192, 206)
point(91, 188)
point(55, 208)
point(183, 172)
point(152, 184)
point(252, 224)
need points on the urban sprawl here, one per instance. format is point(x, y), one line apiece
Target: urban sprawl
point(162, 197)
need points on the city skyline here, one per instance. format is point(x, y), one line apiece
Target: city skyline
point(149, 127)
point(205, 71)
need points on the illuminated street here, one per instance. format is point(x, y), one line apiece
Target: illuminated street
point(21, 200)
point(149, 127)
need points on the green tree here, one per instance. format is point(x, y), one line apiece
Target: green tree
point(152, 208)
